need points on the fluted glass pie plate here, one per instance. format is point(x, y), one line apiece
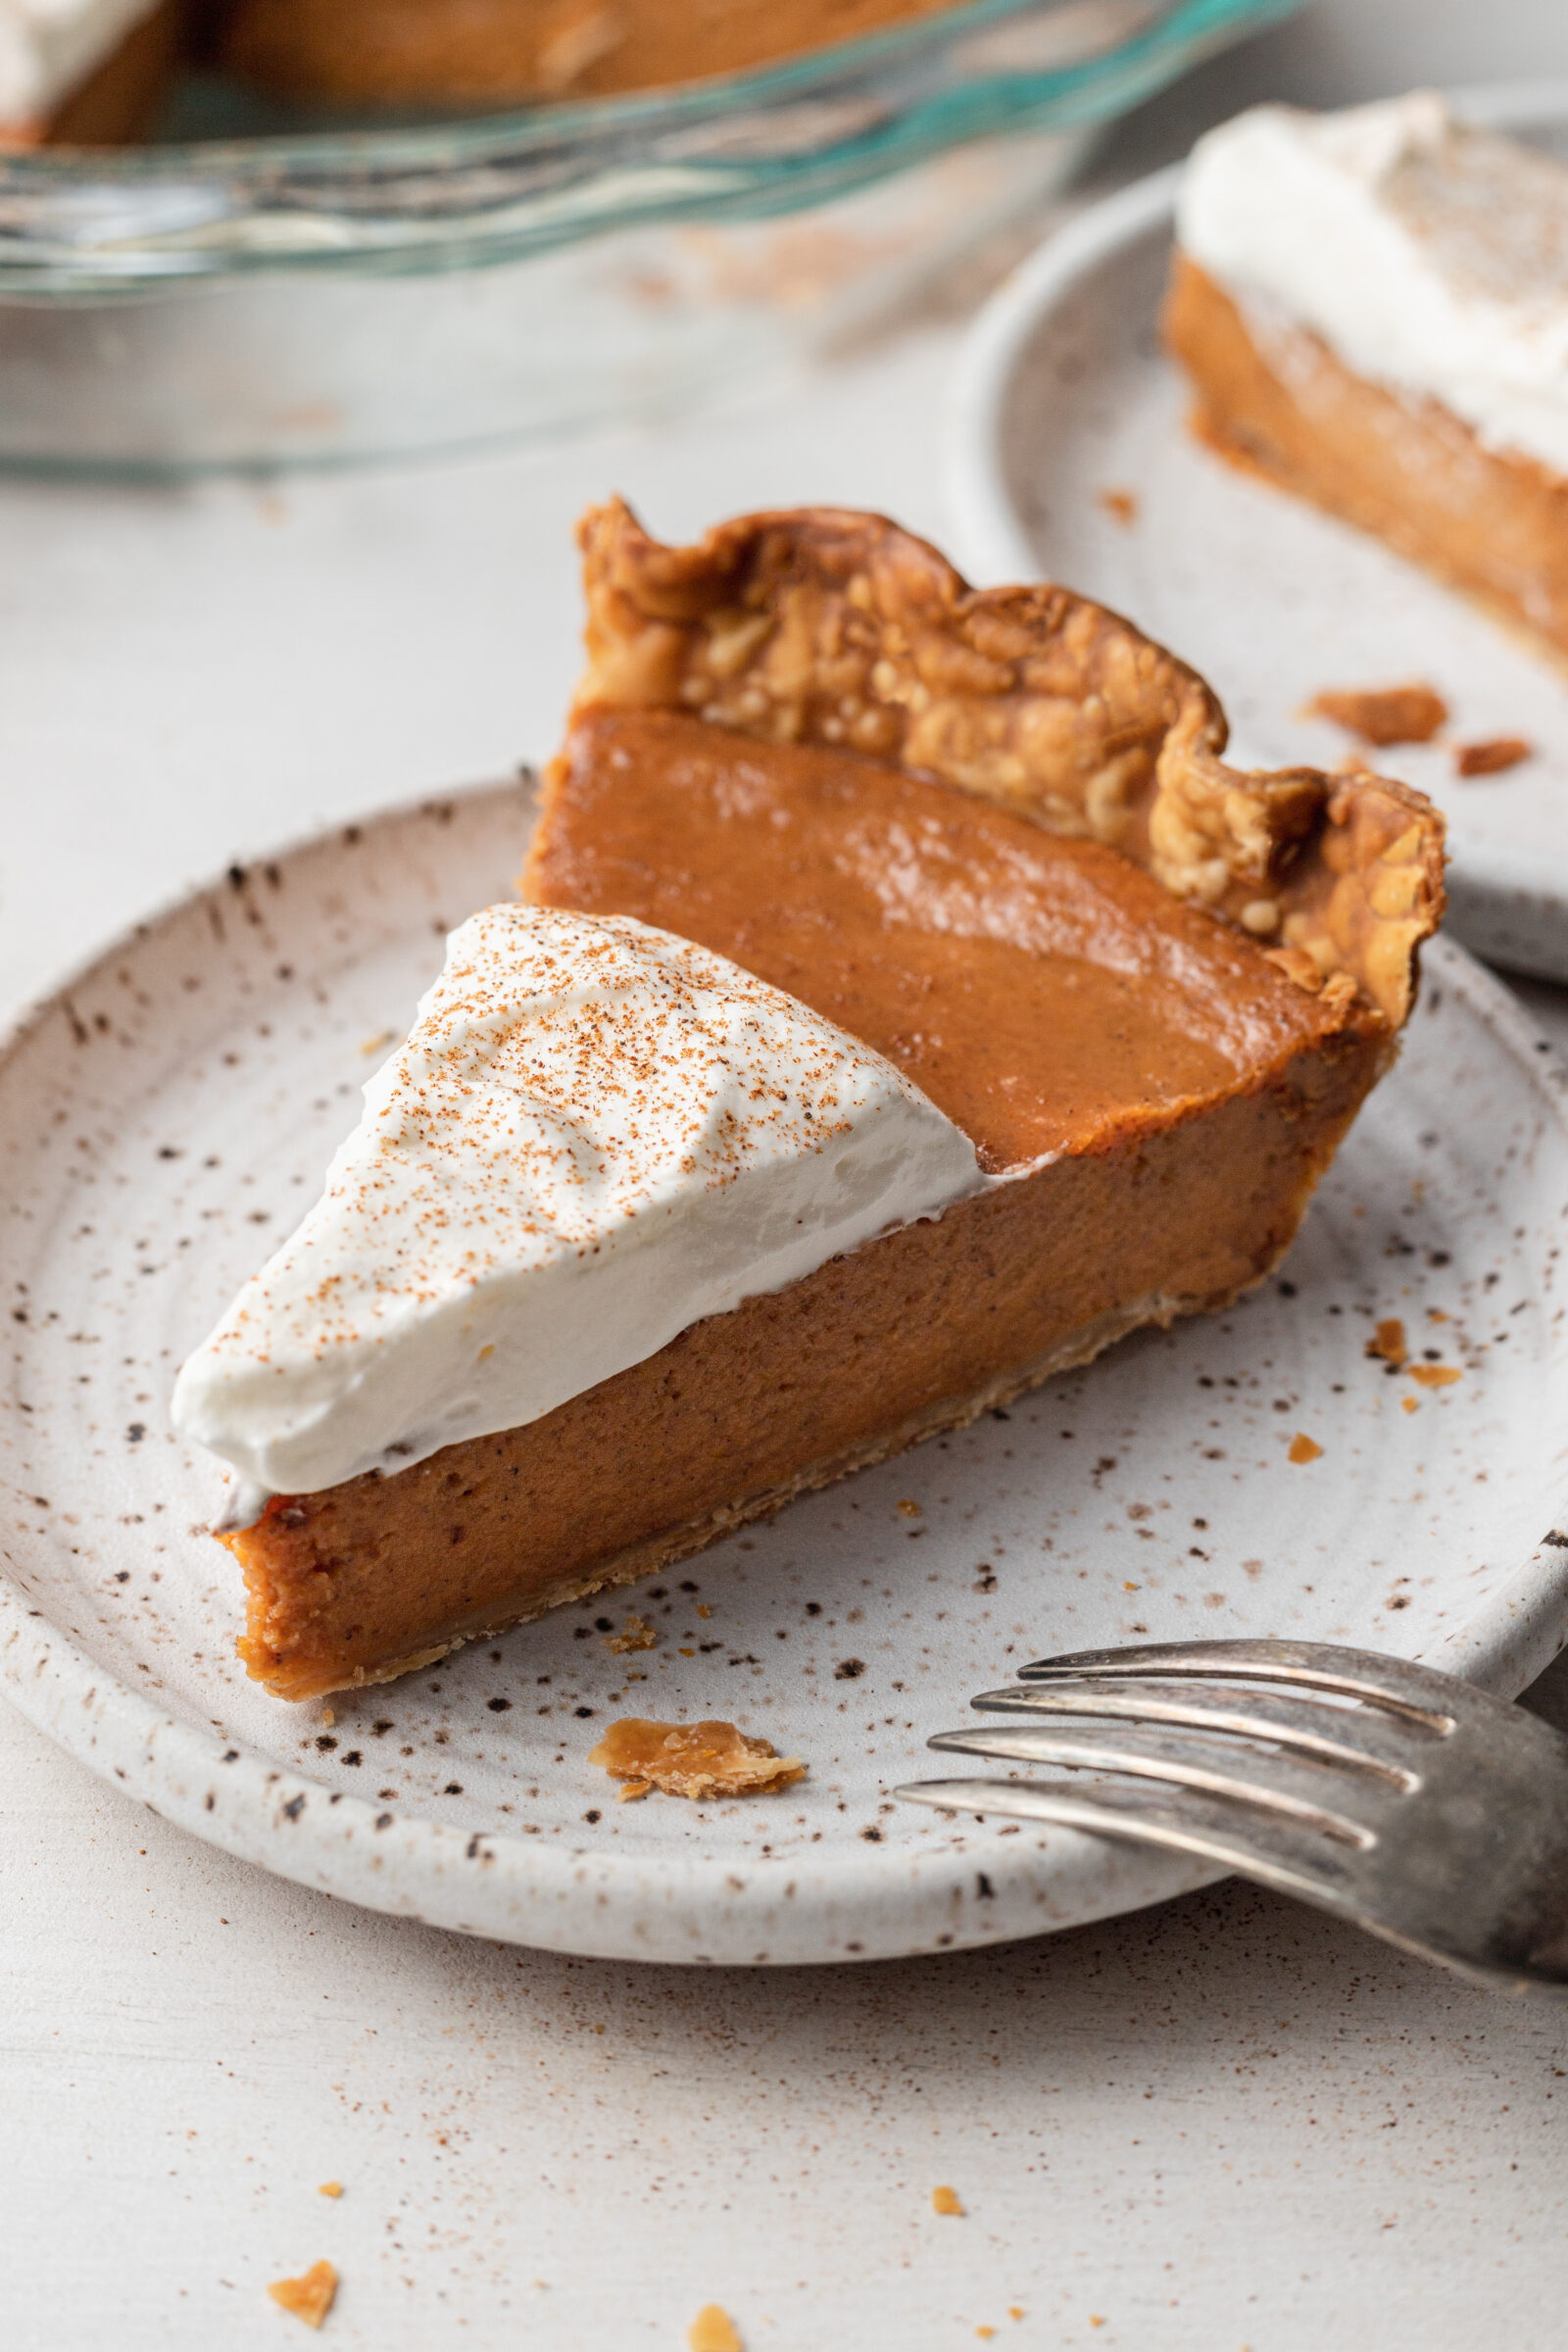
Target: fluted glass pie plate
point(343, 294)
point(167, 1116)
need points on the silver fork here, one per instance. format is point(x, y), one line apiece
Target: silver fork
point(1402, 1799)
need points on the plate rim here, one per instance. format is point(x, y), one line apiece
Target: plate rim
point(1494, 877)
point(566, 1898)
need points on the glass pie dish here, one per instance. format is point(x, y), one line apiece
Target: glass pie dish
point(338, 294)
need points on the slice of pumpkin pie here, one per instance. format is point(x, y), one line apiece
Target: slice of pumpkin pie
point(1372, 307)
point(908, 1003)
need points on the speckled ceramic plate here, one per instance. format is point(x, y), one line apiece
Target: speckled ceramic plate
point(1065, 396)
point(164, 1118)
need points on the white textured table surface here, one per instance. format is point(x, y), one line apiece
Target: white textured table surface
point(1222, 2125)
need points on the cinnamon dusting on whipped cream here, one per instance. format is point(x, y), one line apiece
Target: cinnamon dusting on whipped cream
point(1428, 256)
point(596, 1133)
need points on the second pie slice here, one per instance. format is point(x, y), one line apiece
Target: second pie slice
point(911, 1003)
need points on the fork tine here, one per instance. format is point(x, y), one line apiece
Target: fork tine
point(1309, 1793)
point(1278, 1852)
point(1364, 1738)
point(1395, 1684)
point(1454, 1846)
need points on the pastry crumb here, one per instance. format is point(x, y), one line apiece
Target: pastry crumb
point(1387, 1342)
point(1016, 2311)
point(1383, 715)
point(1491, 757)
point(1410, 1404)
point(714, 2330)
point(912, 1510)
point(985, 2334)
point(638, 1635)
point(946, 2200)
point(1304, 1448)
point(309, 2296)
point(330, 2188)
point(1122, 506)
point(692, 1759)
point(1433, 1376)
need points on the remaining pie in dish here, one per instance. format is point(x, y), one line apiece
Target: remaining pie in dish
point(91, 73)
point(1373, 307)
point(401, 53)
point(910, 1002)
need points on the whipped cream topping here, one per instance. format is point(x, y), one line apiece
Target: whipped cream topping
point(596, 1133)
point(1429, 256)
point(48, 46)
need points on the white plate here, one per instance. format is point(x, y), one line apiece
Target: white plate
point(1063, 393)
point(167, 1117)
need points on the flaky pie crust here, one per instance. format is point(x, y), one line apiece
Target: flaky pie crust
point(829, 627)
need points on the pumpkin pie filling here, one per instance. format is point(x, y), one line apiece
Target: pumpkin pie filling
point(1045, 993)
point(990, 836)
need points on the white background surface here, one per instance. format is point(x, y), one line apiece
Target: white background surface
point(1221, 2125)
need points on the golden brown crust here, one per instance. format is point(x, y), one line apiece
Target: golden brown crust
point(696, 1760)
point(311, 2296)
point(827, 625)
